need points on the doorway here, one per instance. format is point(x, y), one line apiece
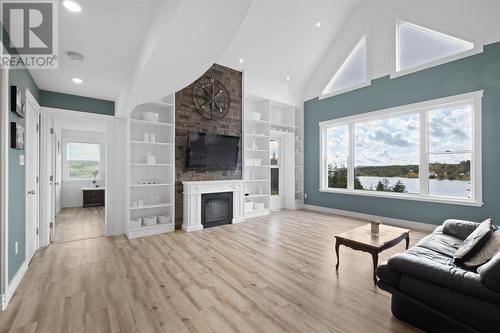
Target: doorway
point(32, 167)
point(282, 169)
point(76, 170)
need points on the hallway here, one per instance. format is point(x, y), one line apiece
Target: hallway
point(79, 223)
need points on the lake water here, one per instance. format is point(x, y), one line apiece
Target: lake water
point(449, 188)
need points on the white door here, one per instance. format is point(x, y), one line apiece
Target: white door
point(32, 176)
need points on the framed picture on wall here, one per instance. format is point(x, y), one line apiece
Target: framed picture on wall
point(18, 101)
point(17, 134)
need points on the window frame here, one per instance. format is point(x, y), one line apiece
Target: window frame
point(66, 177)
point(422, 109)
point(395, 73)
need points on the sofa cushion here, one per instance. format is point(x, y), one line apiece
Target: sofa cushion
point(459, 228)
point(487, 252)
point(388, 276)
point(489, 273)
point(478, 313)
point(441, 243)
point(436, 268)
point(474, 242)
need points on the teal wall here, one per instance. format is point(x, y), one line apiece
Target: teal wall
point(17, 196)
point(478, 72)
point(76, 103)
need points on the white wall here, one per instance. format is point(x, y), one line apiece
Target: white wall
point(71, 190)
point(117, 179)
point(477, 19)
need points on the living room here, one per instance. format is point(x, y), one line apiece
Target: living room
point(250, 166)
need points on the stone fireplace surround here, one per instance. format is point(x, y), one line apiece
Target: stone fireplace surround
point(192, 191)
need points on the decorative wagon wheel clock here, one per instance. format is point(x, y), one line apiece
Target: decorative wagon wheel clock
point(211, 98)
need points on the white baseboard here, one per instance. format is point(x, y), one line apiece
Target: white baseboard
point(13, 284)
point(238, 220)
point(387, 220)
point(187, 228)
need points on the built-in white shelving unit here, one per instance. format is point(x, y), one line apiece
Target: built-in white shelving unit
point(152, 167)
point(256, 129)
point(299, 158)
point(262, 117)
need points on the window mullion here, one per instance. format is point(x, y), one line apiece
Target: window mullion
point(350, 159)
point(424, 154)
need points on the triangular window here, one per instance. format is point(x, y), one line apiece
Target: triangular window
point(417, 45)
point(352, 73)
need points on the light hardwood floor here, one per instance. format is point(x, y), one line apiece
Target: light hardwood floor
point(269, 274)
point(79, 223)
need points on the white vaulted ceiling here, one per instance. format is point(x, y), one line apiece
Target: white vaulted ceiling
point(109, 34)
point(137, 50)
point(140, 50)
point(280, 39)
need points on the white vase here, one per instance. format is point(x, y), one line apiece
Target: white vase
point(150, 159)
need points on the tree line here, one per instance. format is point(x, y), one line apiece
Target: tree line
point(441, 171)
point(337, 178)
point(337, 174)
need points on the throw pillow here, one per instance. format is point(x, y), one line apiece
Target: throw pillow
point(472, 244)
point(487, 252)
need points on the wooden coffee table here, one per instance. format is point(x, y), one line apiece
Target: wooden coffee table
point(362, 239)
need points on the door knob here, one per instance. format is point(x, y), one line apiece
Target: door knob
point(33, 192)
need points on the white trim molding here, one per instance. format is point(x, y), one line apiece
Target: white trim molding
point(422, 108)
point(367, 217)
point(13, 284)
point(4, 181)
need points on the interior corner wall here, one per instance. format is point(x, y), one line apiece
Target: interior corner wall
point(187, 119)
point(478, 72)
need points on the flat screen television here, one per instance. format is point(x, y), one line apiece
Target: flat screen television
point(212, 151)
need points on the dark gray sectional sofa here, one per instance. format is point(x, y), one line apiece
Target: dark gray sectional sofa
point(430, 292)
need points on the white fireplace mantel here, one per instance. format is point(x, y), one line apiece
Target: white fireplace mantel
point(192, 200)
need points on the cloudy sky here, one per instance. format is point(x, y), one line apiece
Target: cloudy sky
point(394, 141)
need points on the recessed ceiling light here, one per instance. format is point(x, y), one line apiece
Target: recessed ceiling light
point(72, 6)
point(288, 78)
point(318, 24)
point(74, 56)
point(77, 80)
point(242, 60)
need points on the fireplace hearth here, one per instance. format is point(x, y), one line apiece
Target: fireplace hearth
point(216, 209)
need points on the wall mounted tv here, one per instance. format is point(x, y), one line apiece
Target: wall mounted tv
point(212, 151)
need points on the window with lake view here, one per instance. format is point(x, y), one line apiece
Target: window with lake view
point(423, 151)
